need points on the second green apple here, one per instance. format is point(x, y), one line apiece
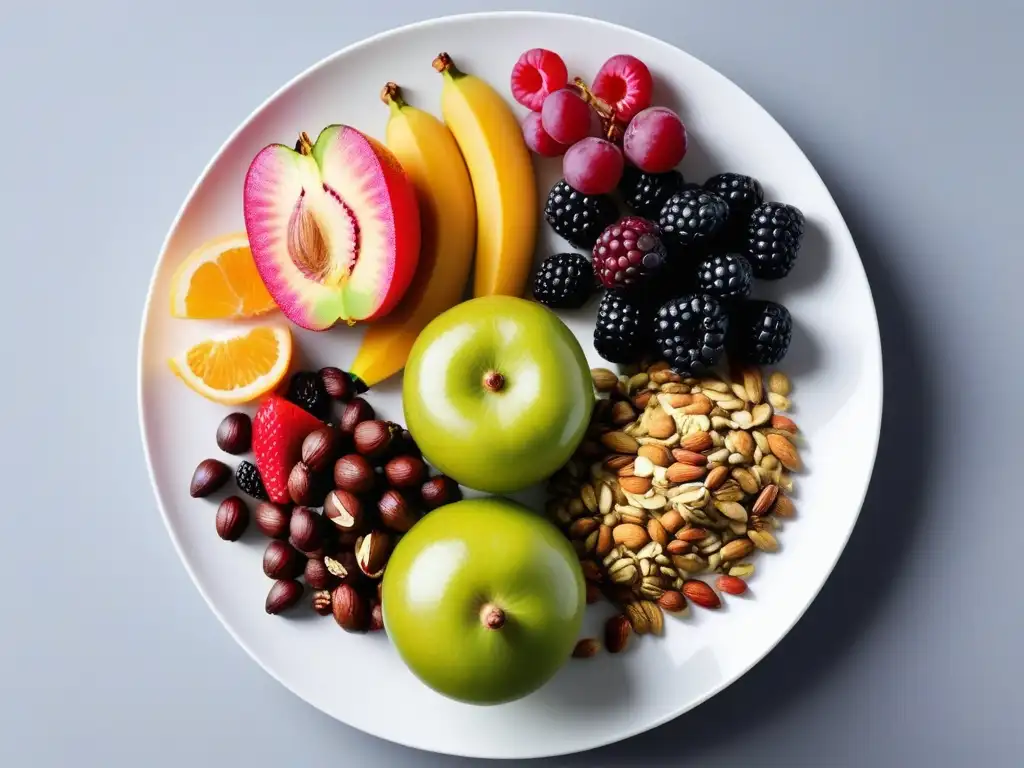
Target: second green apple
point(497, 393)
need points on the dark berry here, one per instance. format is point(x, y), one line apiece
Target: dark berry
point(307, 391)
point(249, 481)
point(690, 333)
point(578, 218)
point(646, 193)
point(628, 253)
point(564, 281)
point(693, 217)
point(726, 276)
point(773, 239)
point(742, 194)
point(622, 333)
point(760, 332)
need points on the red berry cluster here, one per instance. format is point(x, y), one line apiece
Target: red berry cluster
point(592, 127)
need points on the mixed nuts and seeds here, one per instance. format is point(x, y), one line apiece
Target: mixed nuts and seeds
point(678, 477)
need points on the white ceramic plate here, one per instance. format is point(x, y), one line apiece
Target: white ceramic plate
point(835, 363)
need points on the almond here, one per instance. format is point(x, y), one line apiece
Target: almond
point(622, 413)
point(700, 593)
point(785, 452)
point(628, 469)
point(660, 425)
point(583, 527)
point(678, 547)
point(672, 521)
point(731, 585)
point(765, 500)
point(736, 549)
point(661, 365)
point(701, 406)
point(684, 473)
point(630, 535)
point(691, 534)
point(619, 442)
point(616, 634)
point(586, 648)
point(684, 456)
point(642, 398)
point(637, 485)
point(783, 506)
point(697, 441)
point(656, 454)
point(604, 541)
point(784, 423)
point(664, 376)
point(657, 532)
point(716, 477)
point(678, 400)
point(672, 601)
point(604, 380)
point(617, 462)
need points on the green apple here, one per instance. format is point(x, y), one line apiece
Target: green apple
point(497, 393)
point(483, 600)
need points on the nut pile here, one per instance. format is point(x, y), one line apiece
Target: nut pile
point(677, 477)
point(360, 484)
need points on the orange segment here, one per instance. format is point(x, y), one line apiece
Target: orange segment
point(218, 280)
point(238, 368)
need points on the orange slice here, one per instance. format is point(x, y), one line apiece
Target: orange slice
point(237, 368)
point(218, 280)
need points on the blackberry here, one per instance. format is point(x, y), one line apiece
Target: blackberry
point(622, 333)
point(742, 194)
point(578, 218)
point(726, 276)
point(646, 193)
point(690, 333)
point(773, 239)
point(306, 390)
point(760, 332)
point(564, 281)
point(249, 481)
point(693, 217)
point(628, 253)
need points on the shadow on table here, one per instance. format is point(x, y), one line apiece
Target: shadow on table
point(848, 603)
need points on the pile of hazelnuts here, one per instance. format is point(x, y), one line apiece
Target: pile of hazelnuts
point(360, 485)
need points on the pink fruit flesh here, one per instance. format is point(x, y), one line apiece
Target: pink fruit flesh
point(566, 117)
point(593, 166)
point(538, 140)
point(655, 140)
point(537, 73)
point(626, 84)
point(334, 230)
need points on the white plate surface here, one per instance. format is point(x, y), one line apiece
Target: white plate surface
point(835, 364)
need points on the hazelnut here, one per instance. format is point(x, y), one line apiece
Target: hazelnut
point(395, 511)
point(372, 552)
point(373, 438)
point(344, 568)
point(304, 529)
point(376, 617)
point(322, 603)
point(344, 510)
point(283, 595)
point(234, 434)
point(405, 472)
point(320, 448)
point(317, 576)
point(440, 490)
point(354, 473)
point(300, 484)
point(272, 520)
point(356, 412)
point(282, 561)
point(336, 383)
point(208, 477)
point(232, 518)
point(350, 609)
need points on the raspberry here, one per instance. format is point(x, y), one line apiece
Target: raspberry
point(628, 253)
point(537, 73)
point(626, 84)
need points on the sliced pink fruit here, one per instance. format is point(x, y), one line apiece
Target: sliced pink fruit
point(334, 227)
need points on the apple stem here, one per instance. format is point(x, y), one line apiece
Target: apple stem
point(443, 63)
point(305, 144)
point(391, 95)
point(492, 616)
point(494, 381)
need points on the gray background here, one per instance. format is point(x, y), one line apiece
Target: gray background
point(912, 113)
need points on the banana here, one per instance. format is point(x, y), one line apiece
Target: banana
point(428, 153)
point(491, 140)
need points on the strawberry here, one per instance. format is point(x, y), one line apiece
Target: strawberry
point(277, 434)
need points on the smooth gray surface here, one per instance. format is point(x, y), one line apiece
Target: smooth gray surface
point(912, 113)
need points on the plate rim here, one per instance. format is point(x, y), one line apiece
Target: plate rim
point(483, 16)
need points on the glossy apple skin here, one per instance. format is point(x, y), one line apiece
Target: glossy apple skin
point(459, 558)
point(503, 441)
